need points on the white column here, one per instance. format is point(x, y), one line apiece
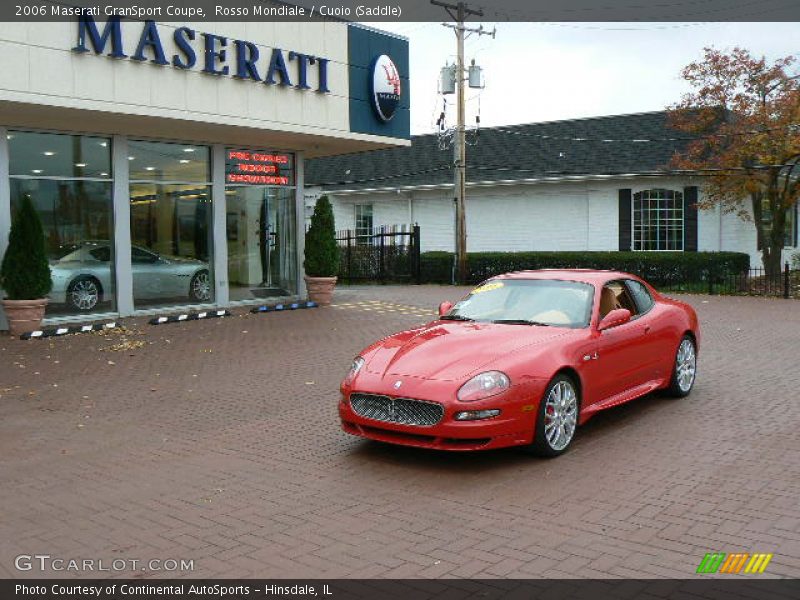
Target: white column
point(122, 225)
point(219, 225)
point(300, 219)
point(5, 207)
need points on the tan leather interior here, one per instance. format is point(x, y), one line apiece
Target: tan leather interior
point(608, 301)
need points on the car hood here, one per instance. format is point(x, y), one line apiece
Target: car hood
point(451, 351)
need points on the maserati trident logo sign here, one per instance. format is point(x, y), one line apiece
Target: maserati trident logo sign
point(397, 384)
point(386, 88)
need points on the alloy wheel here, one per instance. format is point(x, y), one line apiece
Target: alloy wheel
point(201, 286)
point(686, 365)
point(84, 294)
point(560, 415)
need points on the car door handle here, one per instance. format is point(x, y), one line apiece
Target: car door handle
point(647, 328)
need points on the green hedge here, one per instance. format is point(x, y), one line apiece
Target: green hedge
point(662, 269)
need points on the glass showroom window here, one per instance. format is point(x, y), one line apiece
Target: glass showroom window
point(170, 195)
point(260, 224)
point(68, 178)
point(658, 220)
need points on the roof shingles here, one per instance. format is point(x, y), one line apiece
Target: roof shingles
point(613, 145)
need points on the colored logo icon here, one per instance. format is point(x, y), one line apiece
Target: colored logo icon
point(742, 562)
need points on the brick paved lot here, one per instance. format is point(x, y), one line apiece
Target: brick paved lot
point(218, 441)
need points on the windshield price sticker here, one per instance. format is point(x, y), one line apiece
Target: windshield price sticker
point(488, 287)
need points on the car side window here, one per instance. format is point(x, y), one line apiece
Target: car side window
point(616, 295)
point(103, 254)
point(142, 256)
point(641, 296)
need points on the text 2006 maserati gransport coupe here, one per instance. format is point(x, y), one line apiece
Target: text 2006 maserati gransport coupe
point(523, 359)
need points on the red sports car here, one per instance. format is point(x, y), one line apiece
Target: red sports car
point(523, 359)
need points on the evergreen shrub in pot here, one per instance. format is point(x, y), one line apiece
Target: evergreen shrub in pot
point(321, 254)
point(25, 273)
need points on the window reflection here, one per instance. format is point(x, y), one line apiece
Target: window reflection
point(260, 227)
point(170, 223)
point(156, 161)
point(76, 214)
point(54, 155)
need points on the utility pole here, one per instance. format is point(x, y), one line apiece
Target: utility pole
point(459, 12)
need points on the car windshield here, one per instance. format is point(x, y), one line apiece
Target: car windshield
point(64, 251)
point(527, 302)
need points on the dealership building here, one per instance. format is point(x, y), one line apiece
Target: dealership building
point(166, 159)
point(592, 184)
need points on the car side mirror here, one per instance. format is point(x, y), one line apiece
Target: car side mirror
point(444, 308)
point(616, 317)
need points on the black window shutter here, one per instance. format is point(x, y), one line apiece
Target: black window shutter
point(690, 218)
point(625, 228)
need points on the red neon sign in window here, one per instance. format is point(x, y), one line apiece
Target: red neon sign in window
point(259, 168)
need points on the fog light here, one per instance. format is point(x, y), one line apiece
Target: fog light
point(477, 415)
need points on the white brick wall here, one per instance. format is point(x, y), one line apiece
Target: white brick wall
point(542, 216)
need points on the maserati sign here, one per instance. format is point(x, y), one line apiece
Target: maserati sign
point(386, 88)
point(216, 54)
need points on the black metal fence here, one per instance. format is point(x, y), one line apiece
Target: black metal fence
point(387, 253)
point(749, 282)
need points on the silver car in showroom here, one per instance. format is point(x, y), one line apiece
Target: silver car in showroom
point(82, 274)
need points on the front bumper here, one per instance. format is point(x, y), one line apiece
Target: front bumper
point(513, 427)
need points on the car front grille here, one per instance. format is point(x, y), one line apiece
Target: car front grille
point(397, 410)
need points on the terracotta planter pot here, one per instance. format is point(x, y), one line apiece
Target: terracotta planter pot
point(24, 316)
point(320, 289)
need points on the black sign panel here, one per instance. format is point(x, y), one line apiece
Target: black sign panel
point(259, 167)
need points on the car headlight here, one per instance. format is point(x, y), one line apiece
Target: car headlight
point(358, 362)
point(483, 386)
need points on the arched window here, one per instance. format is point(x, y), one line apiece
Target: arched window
point(658, 220)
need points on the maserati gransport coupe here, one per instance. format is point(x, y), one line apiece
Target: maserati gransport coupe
point(522, 360)
point(82, 275)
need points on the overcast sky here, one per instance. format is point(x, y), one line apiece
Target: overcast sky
point(549, 71)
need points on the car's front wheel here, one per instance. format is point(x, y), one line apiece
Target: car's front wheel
point(84, 293)
point(684, 371)
point(557, 418)
point(200, 286)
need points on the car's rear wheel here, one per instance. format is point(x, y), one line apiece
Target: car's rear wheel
point(84, 293)
point(684, 370)
point(557, 418)
point(200, 286)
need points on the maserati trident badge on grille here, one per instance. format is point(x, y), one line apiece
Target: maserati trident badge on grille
point(397, 384)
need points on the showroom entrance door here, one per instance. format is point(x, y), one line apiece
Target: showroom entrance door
point(260, 228)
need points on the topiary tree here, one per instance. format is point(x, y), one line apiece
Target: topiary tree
point(25, 272)
point(322, 253)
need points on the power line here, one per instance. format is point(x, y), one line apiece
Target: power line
point(701, 11)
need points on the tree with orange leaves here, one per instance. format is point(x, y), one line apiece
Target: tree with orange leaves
point(743, 115)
